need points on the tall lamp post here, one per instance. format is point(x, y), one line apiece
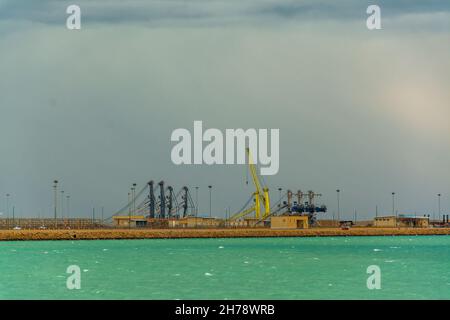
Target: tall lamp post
point(134, 198)
point(55, 203)
point(67, 206)
point(393, 204)
point(279, 190)
point(196, 202)
point(439, 204)
point(210, 201)
point(338, 192)
point(7, 205)
point(62, 204)
point(394, 213)
point(131, 210)
point(129, 203)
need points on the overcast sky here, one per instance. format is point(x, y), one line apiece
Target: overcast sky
point(367, 112)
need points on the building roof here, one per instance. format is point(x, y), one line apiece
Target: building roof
point(128, 217)
point(401, 216)
point(409, 217)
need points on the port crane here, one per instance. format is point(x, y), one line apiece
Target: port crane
point(260, 196)
point(305, 207)
point(287, 206)
point(177, 205)
point(167, 204)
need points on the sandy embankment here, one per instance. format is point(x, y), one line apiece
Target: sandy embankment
point(207, 233)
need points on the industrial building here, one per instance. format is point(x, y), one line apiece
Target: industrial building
point(129, 221)
point(405, 221)
point(249, 222)
point(195, 222)
point(136, 221)
point(289, 222)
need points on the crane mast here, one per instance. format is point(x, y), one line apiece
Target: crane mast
point(261, 194)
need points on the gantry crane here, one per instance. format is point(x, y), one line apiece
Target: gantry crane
point(261, 195)
point(305, 207)
point(166, 205)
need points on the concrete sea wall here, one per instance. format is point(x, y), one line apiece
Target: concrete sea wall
point(208, 233)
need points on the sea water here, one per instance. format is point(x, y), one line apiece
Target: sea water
point(411, 267)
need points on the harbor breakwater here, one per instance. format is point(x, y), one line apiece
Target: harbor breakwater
point(96, 234)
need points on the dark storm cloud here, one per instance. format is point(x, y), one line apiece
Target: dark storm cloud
point(209, 12)
point(360, 110)
point(348, 9)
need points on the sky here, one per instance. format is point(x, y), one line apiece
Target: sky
point(363, 111)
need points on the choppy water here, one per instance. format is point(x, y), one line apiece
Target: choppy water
point(262, 268)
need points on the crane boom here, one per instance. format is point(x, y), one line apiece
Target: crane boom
point(252, 167)
point(260, 194)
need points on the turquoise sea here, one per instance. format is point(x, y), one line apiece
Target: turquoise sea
point(412, 267)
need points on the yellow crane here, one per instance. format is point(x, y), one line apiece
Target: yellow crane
point(261, 194)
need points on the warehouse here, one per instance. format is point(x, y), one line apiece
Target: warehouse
point(405, 221)
point(289, 222)
point(129, 221)
point(193, 222)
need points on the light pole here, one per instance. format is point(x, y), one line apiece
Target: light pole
point(134, 198)
point(55, 204)
point(132, 204)
point(394, 213)
point(129, 210)
point(67, 206)
point(62, 204)
point(196, 205)
point(393, 204)
point(279, 190)
point(129, 203)
point(338, 192)
point(132, 201)
point(196, 202)
point(210, 202)
point(439, 204)
point(7, 205)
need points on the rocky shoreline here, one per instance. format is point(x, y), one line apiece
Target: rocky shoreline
point(97, 234)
